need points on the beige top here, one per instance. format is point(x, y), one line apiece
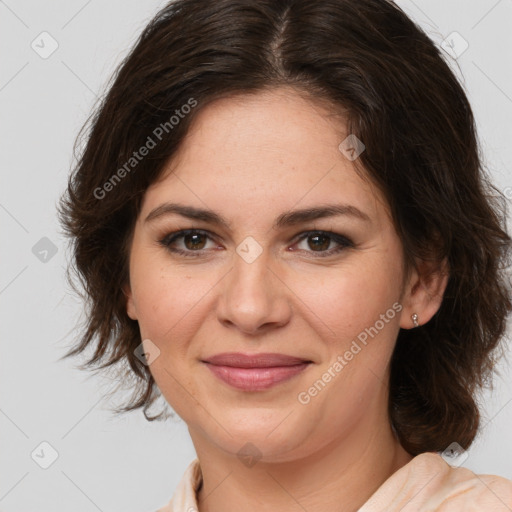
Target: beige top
point(184, 498)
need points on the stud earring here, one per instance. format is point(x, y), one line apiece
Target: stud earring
point(414, 317)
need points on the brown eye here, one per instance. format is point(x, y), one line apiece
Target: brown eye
point(194, 241)
point(320, 242)
point(187, 242)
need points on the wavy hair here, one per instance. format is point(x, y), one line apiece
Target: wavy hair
point(367, 60)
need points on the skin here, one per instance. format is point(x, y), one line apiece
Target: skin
point(251, 159)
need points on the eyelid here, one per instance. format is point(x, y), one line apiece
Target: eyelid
point(342, 241)
point(180, 233)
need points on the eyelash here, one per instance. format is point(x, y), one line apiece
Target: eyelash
point(342, 241)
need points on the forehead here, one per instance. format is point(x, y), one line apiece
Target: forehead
point(273, 150)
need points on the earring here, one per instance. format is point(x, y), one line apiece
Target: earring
point(414, 317)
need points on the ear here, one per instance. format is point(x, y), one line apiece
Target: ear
point(423, 293)
point(130, 304)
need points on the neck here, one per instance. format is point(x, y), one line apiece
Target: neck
point(346, 471)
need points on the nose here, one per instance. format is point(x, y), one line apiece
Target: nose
point(254, 298)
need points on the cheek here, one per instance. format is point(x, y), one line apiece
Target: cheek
point(170, 302)
point(167, 297)
point(361, 308)
point(351, 298)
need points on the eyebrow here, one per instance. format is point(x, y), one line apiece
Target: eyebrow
point(291, 218)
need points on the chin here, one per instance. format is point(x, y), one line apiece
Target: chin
point(270, 439)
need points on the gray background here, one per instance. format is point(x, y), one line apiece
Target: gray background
point(127, 464)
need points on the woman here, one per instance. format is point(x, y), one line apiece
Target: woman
point(282, 224)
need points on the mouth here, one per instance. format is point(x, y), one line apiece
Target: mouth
point(255, 372)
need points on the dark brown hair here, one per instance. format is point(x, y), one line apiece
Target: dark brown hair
point(399, 96)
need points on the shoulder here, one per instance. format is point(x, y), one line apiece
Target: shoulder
point(459, 488)
point(428, 482)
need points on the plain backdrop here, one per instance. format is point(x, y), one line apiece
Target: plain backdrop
point(97, 461)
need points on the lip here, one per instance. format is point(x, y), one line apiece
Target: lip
point(263, 360)
point(255, 372)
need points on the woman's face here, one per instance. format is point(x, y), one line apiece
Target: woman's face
point(258, 283)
